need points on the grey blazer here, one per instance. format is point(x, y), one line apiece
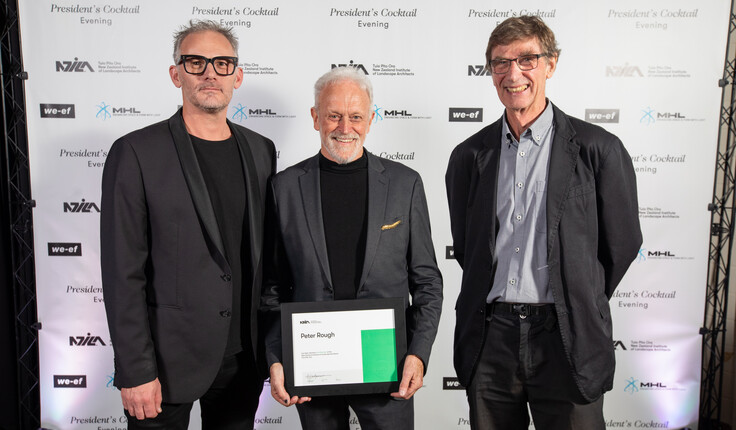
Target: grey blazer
point(399, 256)
point(167, 284)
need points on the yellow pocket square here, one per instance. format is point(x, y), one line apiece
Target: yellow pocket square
point(390, 226)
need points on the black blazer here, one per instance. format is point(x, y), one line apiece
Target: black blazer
point(399, 256)
point(167, 285)
point(593, 235)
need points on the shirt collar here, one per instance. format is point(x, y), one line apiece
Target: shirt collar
point(535, 132)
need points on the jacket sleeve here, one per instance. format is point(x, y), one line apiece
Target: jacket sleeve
point(457, 184)
point(425, 279)
point(619, 232)
point(277, 284)
point(124, 254)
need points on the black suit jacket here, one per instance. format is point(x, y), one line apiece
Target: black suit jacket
point(399, 256)
point(593, 235)
point(167, 284)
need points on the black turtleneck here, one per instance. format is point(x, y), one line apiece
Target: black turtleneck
point(344, 189)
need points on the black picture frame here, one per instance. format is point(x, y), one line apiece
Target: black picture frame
point(287, 346)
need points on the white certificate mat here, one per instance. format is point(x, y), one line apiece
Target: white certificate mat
point(343, 347)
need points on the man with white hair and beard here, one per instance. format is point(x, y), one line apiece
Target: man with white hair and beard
point(350, 225)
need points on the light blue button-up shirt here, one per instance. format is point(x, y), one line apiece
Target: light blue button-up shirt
point(521, 207)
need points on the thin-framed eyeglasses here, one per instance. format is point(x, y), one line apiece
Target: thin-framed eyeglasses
point(525, 62)
point(197, 64)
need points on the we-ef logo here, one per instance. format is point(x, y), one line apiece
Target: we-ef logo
point(466, 115)
point(63, 249)
point(70, 381)
point(625, 71)
point(449, 253)
point(478, 70)
point(351, 64)
point(451, 384)
point(601, 115)
point(88, 340)
point(73, 66)
point(57, 110)
point(81, 207)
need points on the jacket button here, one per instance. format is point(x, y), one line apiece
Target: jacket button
point(225, 314)
point(226, 277)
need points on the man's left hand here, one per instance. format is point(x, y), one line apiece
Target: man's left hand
point(412, 377)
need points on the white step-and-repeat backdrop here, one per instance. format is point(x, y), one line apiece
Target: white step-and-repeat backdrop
point(645, 70)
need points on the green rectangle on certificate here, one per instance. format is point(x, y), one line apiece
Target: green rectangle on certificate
point(379, 355)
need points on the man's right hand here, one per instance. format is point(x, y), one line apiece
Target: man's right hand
point(143, 401)
point(277, 387)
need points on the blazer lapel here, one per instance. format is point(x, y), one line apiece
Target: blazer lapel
point(253, 196)
point(563, 158)
point(377, 195)
point(487, 163)
point(312, 203)
point(195, 181)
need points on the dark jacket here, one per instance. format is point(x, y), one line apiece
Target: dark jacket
point(593, 235)
point(167, 284)
point(399, 256)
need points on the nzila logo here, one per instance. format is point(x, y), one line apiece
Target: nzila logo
point(74, 66)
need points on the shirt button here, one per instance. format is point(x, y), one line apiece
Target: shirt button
point(537, 137)
point(518, 217)
point(512, 281)
point(517, 249)
point(522, 153)
point(520, 184)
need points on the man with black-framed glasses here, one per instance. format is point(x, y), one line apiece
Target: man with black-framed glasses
point(181, 247)
point(544, 219)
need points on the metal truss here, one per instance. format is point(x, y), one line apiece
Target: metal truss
point(20, 204)
point(721, 245)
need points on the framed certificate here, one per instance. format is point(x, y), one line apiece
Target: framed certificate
point(342, 347)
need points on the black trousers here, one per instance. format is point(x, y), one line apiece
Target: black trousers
point(523, 363)
point(230, 402)
point(374, 412)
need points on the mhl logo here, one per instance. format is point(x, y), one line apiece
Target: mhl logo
point(65, 249)
point(88, 340)
point(124, 111)
point(57, 110)
point(261, 112)
point(660, 254)
point(351, 64)
point(70, 381)
point(451, 384)
point(478, 70)
point(466, 115)
point(670, 115)
point(396, 113)
point(81, 207)
point(73, 66)
point(624, 71)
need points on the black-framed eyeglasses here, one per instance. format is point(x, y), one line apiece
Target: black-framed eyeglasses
point(525, 62)
point(197, 64)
